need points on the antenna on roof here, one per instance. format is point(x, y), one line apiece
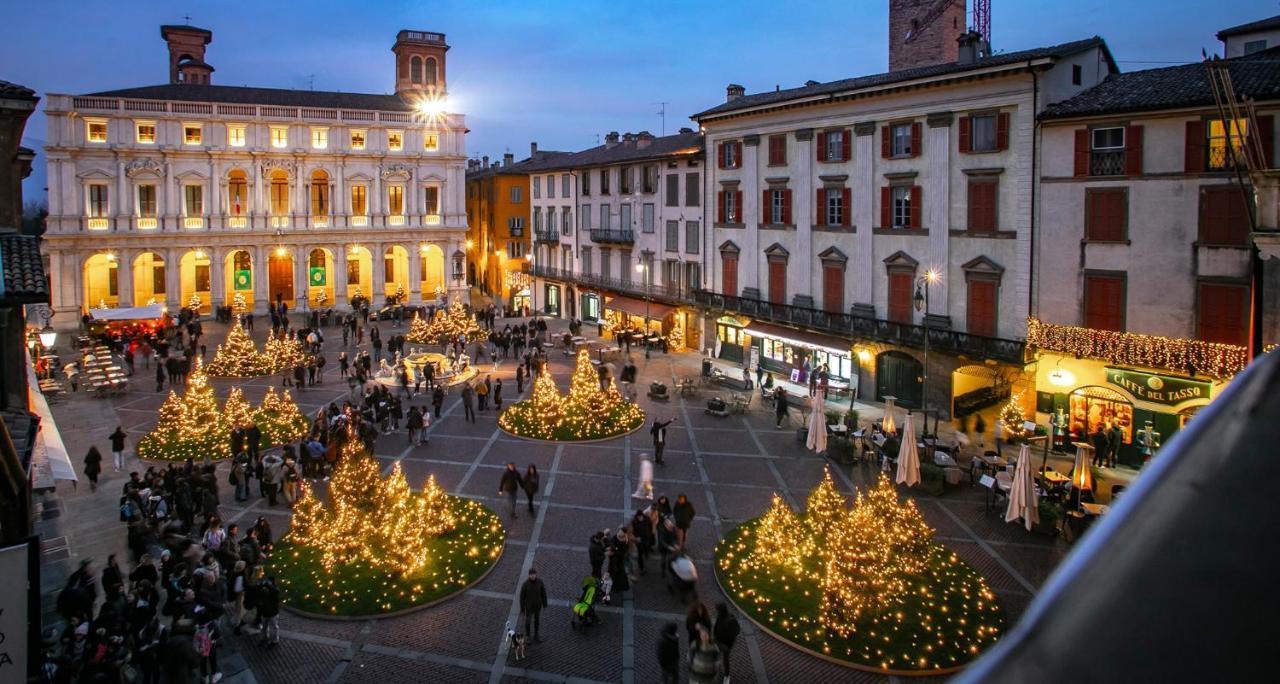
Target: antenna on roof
point(597, 138)
point(311, 81)
point(187, 18)
point(662, 112)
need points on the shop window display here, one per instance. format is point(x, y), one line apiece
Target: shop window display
point(1094, 407)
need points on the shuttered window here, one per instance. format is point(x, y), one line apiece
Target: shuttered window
point(981, 309)
point(1223, 314)
point(777, 281)
point(729, 274)
point(1224, 217)
point(1104, 302)
point(777, 150)
point(982, 205)
point(833, 288)
point(900, 297)
point(1106, 214)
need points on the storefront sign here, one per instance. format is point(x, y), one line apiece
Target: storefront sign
point(14, 604)
point(1158, 389)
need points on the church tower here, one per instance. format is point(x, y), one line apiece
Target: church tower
point(924, 32)
point(420, 62)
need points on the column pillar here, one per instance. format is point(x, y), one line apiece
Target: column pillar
point(339, 275)
point(378, 258)
point(802, 213)
point(121, 204)
point(339, 201)
point(752, 212)
point(214, 208)
point(411, 199)
point(301, 283)
point(259, 198)
point(217, 278)
point(377, 203)
point(866, 190)
point(261, 286)
point(937, 214)
point(124, 278)
point(415, 274)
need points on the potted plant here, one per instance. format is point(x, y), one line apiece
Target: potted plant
point(1050, 518)
point(841, 450)
point(833, 417)
point(851, 419)
point(933, 479)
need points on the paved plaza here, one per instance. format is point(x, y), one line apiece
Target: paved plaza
point(728, 467)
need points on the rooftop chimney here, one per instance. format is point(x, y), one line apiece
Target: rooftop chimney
point(485, 159)
point(533, 150)
point(610, 139)
point(186, 53)
point(508, 159)
point(811, 83)
point(628, 137)
point(643, 139)
point(686, 129)
point(973, 48)
point(733, 92)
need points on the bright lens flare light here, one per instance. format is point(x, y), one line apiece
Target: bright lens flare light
point(432, 107)
point(932, 275)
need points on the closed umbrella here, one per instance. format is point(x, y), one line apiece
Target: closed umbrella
point(818, 423)
point(908, 456)
point(887, 423)
point(1022, 494)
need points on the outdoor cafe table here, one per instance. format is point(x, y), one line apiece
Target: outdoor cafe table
point(1056, 478)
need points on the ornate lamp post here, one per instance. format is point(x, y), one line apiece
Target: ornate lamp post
point(643, 269)
point(921, 300)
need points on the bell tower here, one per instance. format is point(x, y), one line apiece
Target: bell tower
point(186, 53)
point(925, 32)
point(420, 62)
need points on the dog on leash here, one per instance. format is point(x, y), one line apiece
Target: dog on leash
point(515, 640)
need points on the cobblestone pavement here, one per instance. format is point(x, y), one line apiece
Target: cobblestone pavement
point(728, 467)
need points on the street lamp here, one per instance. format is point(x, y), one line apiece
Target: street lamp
point(48, 336)
point(921, 300)
point(642, 269)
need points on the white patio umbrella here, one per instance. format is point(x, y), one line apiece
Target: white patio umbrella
point(887, 423)
point(1022, 494)
point(818, 423)
point(908, 456)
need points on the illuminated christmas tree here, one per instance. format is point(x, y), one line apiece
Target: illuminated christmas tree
point(370, 520)
point(237, 357)
point(1013, 420)
point(586, 413)
point(279, 418)
point(448, 325)
point(190, 426)
point(775, 538)
point(419, 330)
point(238, 303)
point(825, 511)
point(285, 352)
point(236, 410)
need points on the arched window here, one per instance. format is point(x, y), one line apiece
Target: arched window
point(415, 69)
point(431, 71)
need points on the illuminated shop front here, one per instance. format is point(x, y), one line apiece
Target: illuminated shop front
point(783, 351)
point(590, 307)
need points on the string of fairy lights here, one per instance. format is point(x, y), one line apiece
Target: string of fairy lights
point(375, 544)
point(447, 325)
point(191, 425)
point(865, 583)
point(1133, 349)
point(1013, 419)
point(587, 412)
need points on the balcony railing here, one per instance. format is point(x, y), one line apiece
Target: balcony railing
point(395, 220)
point(146, 223)
point(359, 221)
point(863, 328)
point(237, 222)
point(541, 235)
point(98, 223)
point(668, 293)
point(619, 236)
point(431, 220)
point(1106, 163)
point(193, 222)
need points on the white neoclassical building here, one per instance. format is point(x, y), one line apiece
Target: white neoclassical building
point(167, 193)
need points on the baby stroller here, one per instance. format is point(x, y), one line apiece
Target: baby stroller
point(584, 611)
point(682, 580)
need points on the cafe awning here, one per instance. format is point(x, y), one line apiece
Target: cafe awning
point(50, 459)
point(636, 307)
point(801, 338)
point(129, 313)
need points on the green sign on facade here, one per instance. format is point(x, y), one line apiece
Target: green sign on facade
point(243, 279)
point(317, 276)
point(1158, 389)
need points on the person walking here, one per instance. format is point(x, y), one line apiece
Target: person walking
point(533, 598)
point(92, 467)
point(726, 633)
point(267, 601)
point(683, 512)
point(271, 472)
point(704, 658)
point(437, 399)
point(482, 393)
point(497, 395)
point(1115, 437)
point(659, 432)
point(780, 405)
point(519, 379)
point(414, 424)
point(117, 448)
point(980, 428)
point(596, 553)
point(509, 485)
point(669, 653)
point(531, 481)
point(469, 403)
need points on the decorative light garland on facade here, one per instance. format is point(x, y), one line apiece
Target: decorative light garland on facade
point(1133, 349)
point(586, 413)
point(866, 583)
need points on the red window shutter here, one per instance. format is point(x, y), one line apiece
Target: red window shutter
point(1224, 217)
point(1133, 150)
point(982, 211)
point(1002, 131)
point(886, 207)
point(720, 154)
point(778, 282)
point(786, 206)
point(821, 204)
point(900, 297)
point(737, 203)
point(1267, 136)
point(965, 145)
point(917, 139)
point(847, 195)
point(1194, 152)
point(822, 146)
point(1223, 315)
point(981, 311)
point(917, 207)
point(729, 277)
point(1104, 303)
point(720, 206)
point(846, 145)
point(737, 157)
point(766, 208)
point(1106, 214)
point(833, 289)
point(1082, 153)
point(886, 143)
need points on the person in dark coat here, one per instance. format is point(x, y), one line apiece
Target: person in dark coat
point(659, 432)
point(596, 553)
point(510, 486)
point(780, 405)
point(253, 440)
point(160, 375)
point(92, 467)
point(117, 448)
point(620, 547)
point(669, 653)
point(469, 406)
point(1101, 444)
point(267, 599)
point(533, 598)
point(520, 379)
point(1115, 437)
point(683, 512)
point(437, 399)
point(530, 484)
point(726, 633)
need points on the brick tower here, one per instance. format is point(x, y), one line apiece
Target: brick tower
point(419, 62)
point(186, 53)
point(924, 32)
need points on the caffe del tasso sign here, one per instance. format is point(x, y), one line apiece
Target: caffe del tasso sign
point(1158, 389)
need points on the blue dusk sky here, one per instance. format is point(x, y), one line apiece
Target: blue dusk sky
point(561, 74)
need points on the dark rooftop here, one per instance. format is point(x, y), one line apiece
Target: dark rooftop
point(16, 92)
point(543, 159)
point(22, 278)
point(277, 97)
point(904, 75)
point(1251, 27)
point(1187, 85)
point(680, 144)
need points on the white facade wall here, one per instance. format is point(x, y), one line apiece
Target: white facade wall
point(123, 163)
